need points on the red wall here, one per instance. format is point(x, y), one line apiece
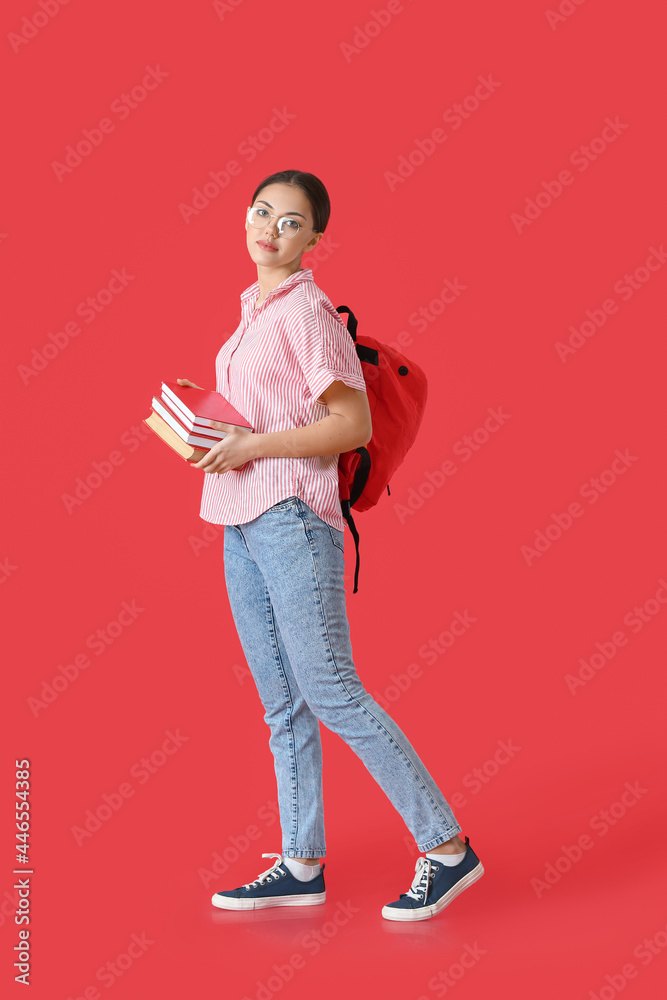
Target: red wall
point(514, 243)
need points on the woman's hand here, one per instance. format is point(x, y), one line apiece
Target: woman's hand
point(186, 381)
point(236, 448)
point(232, 452)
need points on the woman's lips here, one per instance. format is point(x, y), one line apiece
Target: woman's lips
point(263, 245)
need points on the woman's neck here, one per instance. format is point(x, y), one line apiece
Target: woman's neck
point(267, 282)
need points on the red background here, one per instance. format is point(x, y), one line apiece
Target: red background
point(178, 666)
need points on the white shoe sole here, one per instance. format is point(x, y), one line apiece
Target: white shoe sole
point(258, 903)
point(424, 912)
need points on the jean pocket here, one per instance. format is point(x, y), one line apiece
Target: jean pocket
point(337, 537)
point(283, 504)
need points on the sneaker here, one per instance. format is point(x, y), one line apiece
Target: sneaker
point(434, 887)
point(274, 887)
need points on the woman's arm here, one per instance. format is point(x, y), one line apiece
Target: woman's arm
point(348, 425)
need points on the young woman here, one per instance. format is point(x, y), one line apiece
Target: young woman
point(292, 370)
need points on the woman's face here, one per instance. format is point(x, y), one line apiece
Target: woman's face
point(281, 200)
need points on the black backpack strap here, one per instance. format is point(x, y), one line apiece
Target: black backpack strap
point(369, 355)
point(361, 475)
point(345, 507)
point(351, 321)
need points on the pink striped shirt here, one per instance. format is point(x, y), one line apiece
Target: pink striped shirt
point(273, 369)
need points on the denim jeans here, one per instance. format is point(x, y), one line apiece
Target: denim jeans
point(284, 575)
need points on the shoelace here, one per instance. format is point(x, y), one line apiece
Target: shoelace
point(422, 880)
point(269, 873)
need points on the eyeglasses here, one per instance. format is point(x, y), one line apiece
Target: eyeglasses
point(258, 218)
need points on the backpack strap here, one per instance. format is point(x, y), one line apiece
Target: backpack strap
point(345, 507)
point(351, 321)
point(361, 474)
point(369, 355)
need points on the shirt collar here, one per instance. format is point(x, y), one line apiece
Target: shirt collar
point(305, 274)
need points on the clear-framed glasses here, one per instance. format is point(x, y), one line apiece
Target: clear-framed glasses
point(258, 217)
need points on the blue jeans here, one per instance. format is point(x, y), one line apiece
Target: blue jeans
point(284, 575)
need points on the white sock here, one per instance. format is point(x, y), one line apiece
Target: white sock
point(449, 859)
point(304, 873)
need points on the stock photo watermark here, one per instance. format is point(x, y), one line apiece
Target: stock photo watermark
point(626, 287)
point(563, 12)
point(605, 650)
point(238, 844)
point(479, 777)
point(9, 905)
point(101, 471)
point(321, 253)
point(88, 310)
point(425, 315)
point(644, 952)
point(430, 651)
point(112, 802)
point(454, 117)
point(445, 979)
point(92, 138)
point(364, 34)
point(475, 780)
point(601, 823)
point(98, 641)
point(249, 148)
point(222, 7)
point(464, 448)
point(592, 490)
point(32, 24)
point(312, 943)
point(7, 569)
point(581, 158)
point(112, 970)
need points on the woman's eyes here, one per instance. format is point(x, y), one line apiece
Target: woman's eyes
point(292, 223)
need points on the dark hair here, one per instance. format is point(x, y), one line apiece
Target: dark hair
point(312, 187)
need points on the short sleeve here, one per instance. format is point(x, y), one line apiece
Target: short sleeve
point(326, 351)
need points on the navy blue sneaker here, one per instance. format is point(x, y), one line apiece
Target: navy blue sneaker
point(274, 887)
point(434, 887)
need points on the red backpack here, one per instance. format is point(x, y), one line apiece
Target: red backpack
point(396, 390)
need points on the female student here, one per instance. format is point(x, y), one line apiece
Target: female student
point(292, 370)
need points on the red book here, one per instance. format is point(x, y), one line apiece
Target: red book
point(201, 435)
point(202, 405)
point(186, 415)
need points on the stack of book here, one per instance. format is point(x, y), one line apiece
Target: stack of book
point(182, 417)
